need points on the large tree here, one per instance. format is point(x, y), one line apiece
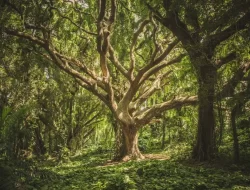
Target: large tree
point(203, 29)
point(120, 55)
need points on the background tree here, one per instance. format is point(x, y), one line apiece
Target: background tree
point(203, 28)
point(39, 112)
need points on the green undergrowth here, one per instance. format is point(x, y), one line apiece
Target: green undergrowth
point(91, 171)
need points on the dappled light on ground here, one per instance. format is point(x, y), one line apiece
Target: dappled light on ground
point(157, 171)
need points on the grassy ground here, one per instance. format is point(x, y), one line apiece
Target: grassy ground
point(92, 171)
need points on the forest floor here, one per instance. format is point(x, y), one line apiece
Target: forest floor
point(93, 171)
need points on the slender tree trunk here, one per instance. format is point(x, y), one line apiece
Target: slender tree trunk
point(40, 148)
point(204, 149)
point(163, 134)
point(235, 135)
point(221, 121)
point(131, 142)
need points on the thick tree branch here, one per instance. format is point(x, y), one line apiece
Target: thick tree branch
point(94, 90)
point(113, 58)
point(179, 28)
point(104, 27)
point(147, 114)
point(113, 11)
point(229, 87)
point(25, 36)
point(224, 60)
point(158, 67)
point(153, 66)
point(101, 9)
point(149, 90)
point(217, 38)
point(166, 52)
point(233, 12)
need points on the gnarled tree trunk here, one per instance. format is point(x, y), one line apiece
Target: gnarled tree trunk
point(204, 149)
point(131, 143)
point(120, 146)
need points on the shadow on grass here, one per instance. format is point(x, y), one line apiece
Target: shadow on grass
point(85, 172)
point(145, 174)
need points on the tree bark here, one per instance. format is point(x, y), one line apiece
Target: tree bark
point(131, 143)
point(120, 145)
point(221, 123)
point(40, 147)
point(204, 149)
point(235, 135)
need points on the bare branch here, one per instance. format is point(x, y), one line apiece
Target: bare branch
point(55, 56)
point(117, 63)
point(156, 85)
point(132, 47)
point(64, 65)
point(158, 67)
point(94, 90)
point(166, 52)
point(147, 114)
point(25, 36)
point(103, 45)
point(74, 23)
point(155, 66)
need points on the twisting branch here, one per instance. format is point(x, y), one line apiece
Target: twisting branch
point(166, 52)
point(25, 36)
point(104, 27)
point(66, 63)
point(147, 114)
point(156, 85)
point(173, 23)
point(79, 64)
point(93, 90)
point(132, 47)
point(154, 69)
point(146, 72)
point(156, 61)
point(228, 88)
point(113, 58)
point(72, 22)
